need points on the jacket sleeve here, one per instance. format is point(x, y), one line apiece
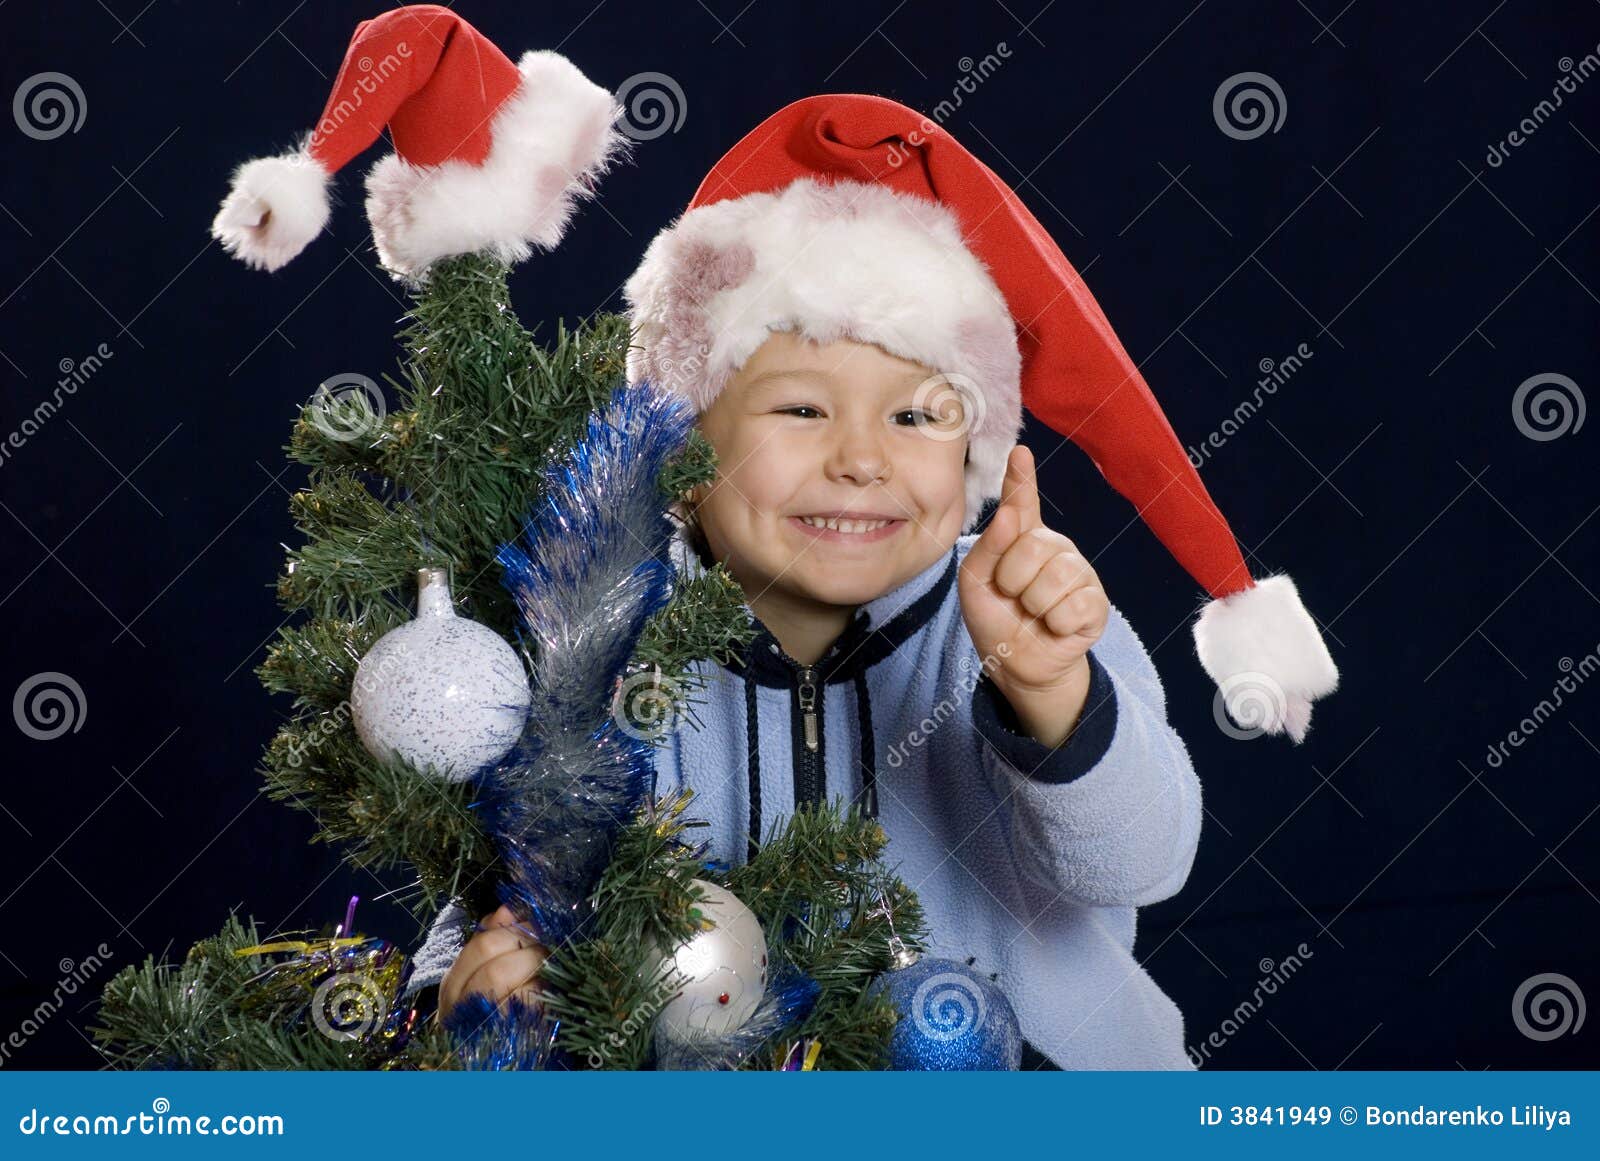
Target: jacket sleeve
point(1111, 817)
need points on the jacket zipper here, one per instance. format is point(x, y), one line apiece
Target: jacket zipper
point(807, 678)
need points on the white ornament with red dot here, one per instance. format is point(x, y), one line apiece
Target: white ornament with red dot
point(722, 970)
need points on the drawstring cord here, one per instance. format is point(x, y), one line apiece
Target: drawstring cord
point(752, 734)
point(868, 798)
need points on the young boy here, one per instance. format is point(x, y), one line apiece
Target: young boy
point(858, 308)
point(1032, 798)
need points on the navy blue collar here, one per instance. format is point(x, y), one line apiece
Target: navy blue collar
point(876, 630)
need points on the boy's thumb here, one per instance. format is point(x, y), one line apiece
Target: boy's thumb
point(1020, 488)
point(1013, 478)
point(979, 565)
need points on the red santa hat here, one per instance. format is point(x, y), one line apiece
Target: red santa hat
point(488, 155)
point(850, 215)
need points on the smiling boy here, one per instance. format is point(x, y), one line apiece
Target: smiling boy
point(842, 478)
point(858, 309)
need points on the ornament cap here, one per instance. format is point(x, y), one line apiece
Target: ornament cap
point(433, 593)
point(901, 955)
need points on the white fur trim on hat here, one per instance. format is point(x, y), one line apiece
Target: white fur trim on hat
point(275, 207)
point(831, 260)
point(1264, 652)
point(549, 140)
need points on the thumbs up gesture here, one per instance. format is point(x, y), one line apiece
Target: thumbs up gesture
point(1030, 598)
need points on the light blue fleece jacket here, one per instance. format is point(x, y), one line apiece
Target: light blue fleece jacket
point(1031, 862)
point(1028, 860)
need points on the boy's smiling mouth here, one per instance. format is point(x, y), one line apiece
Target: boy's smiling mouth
point(855, 527)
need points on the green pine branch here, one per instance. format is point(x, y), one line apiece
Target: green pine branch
point(383, 814)
point(826, 906)
point(158, 1016)
point(442, 480)
point(316, 661)
point(210, 1012)
point(607, 987)
point(818, 876)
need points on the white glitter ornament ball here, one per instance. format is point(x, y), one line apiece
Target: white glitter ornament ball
point(726, 967)
point(440, 690)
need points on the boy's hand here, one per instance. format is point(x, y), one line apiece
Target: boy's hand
point(499, 961)
point(1033, 604)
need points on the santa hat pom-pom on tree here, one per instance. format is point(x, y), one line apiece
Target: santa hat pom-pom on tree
point(489, 155)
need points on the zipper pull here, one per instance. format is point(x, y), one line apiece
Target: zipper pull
point(808, 705)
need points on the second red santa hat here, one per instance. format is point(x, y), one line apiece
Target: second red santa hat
point(851, 215)
point(488, 155)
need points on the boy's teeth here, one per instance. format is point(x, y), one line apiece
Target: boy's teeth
point(852, 526)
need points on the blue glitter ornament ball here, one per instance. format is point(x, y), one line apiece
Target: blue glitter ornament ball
point(952, 1018)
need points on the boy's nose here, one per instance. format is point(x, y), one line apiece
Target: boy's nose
point(859, 461)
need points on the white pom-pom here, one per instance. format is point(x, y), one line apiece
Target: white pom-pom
point(1264, 652)
point(276, 207)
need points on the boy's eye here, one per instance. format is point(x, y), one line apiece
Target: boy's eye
point(919, 417)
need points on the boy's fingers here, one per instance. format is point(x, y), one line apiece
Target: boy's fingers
point(503, 974)
point(497, 941)
point(1079, 611)
point(504, 918)
point(529, 994)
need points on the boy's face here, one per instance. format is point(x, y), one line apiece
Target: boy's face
point(813, 430)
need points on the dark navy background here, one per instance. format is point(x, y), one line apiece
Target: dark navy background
point(1449, 556)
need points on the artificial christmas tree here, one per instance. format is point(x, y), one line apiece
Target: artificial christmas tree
point(521, 492)
point(535, 478)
